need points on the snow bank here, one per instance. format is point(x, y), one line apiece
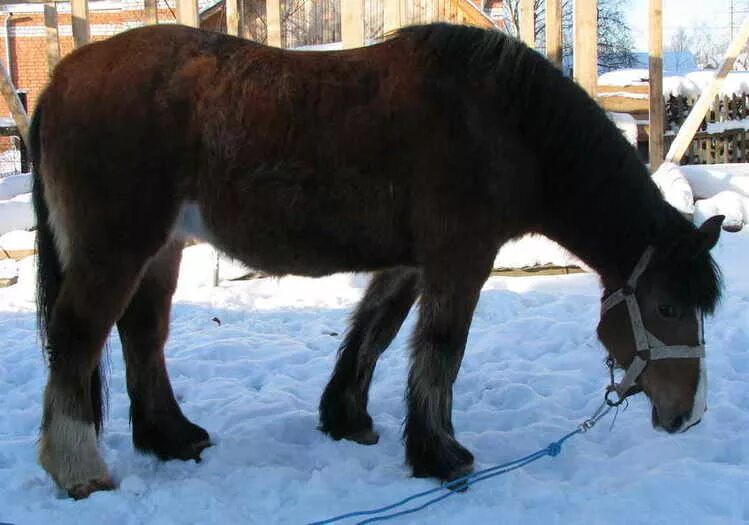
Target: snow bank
point(14, 185)
point(708, 180)
point(627, 124)
point(705, 191)
point(18, 240)
point(16, 214)
point(674, 187)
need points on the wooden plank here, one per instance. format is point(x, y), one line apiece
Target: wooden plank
point(655, 68)
point(585, 59)
point(352, 23)
point(187, 13)
point(466, 12)
point(554, 31)
point(392, 15)
point(693, 121)
point(81, 30)
point(232, 17)
point(527, 29)
point(624, 104)
point(14, 104)
point(273, 22)
point(150, 12)
point(53, 36)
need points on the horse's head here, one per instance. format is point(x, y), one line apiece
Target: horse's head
point(651, 325)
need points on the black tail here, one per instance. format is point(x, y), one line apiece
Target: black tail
point(49, 272)
point(49, 268)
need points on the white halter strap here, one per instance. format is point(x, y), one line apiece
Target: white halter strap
point(649, 347)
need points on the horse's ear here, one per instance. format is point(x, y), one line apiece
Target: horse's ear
point(709, 233)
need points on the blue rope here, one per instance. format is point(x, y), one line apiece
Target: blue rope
point(460, 484)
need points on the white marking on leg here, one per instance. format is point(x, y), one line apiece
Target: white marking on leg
point(67, 448)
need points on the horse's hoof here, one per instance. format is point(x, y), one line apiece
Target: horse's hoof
point(447, 463)
point(198, 448)
point(364, 437)
point(84, 490)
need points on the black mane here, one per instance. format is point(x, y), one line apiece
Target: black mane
point(602, 203)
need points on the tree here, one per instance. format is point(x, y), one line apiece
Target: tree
point(615, 41)
point(707, 47)
point(680, 44)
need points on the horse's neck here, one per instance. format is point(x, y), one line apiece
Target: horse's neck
point(610, 227)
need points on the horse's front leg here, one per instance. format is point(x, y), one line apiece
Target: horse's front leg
point(447, 303)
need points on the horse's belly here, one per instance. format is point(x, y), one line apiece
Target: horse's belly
point(308, 248)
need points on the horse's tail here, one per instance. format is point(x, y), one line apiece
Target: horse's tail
point(49, 267)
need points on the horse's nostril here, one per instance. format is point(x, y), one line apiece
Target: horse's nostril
point(676, 424)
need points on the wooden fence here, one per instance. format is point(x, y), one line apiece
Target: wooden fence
point(318, 22)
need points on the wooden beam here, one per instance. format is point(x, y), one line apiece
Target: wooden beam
point(53, 36)
point(273, 22)
point(392, 16)
point(554, 31)
point(232, 17)
point(655, 66)
point(150, 12)
point(187, 13)
point(14, 104)
point(527, 29)
point(81, 30)
point(694, 119)
point(352, 23)
point(585, 60)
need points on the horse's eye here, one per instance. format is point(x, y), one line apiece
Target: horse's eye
point(668, 311)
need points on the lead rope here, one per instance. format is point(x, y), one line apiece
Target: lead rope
point(461, 484)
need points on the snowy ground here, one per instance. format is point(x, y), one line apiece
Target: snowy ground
point(532, 372)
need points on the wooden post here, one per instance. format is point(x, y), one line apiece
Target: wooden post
point(150, 12)
point(527, 27)
point(232, 17)
point(585, 60)
point(655, 65)
point(273, 22)
point(53, 36)
point(187, 13)
point(392, 17)
point(14, 104)
point(554, 31)
point(352, 23)
point(23, 149)
point(694, 119)
point(79, 14)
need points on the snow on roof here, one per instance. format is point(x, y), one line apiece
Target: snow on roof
point(689, 85)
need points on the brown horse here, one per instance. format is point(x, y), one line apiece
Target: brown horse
point(415, 158)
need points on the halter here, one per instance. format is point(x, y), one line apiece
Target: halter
point(649, 347)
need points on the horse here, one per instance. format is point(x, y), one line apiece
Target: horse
point(414, 159)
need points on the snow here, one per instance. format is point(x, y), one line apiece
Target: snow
point(14, 185)
point(689, 85)
point(16, 213)
point(675, 187)
point(533, 371)
point(627, 124)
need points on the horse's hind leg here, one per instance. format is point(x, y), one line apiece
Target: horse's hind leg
point(96, 287)
point(379, 315)
point(158, 423)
